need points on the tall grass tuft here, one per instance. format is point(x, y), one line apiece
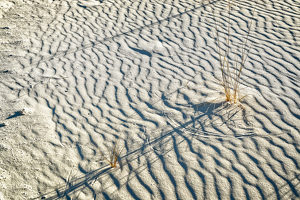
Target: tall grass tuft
point(231, 69)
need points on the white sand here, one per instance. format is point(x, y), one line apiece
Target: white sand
point(78, 76)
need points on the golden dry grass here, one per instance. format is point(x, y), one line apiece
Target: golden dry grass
point(231, 69)
point(114, 155)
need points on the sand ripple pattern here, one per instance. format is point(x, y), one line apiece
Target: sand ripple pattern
point(145, 74)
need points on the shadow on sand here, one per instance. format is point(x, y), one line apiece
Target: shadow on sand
point(186, 131)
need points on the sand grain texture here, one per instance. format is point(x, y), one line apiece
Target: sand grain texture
point(144, 74)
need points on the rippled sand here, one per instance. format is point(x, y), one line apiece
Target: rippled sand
point(78, 77)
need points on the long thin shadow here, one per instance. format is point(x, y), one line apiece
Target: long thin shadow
point(74, 185)
point(93, 43)
point(82, 182)
point(175, 130)
point(143, 52)
point(16, 114)
point(179, 129)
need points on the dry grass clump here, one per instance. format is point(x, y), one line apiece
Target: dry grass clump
point(114, 155)
point(231, 69)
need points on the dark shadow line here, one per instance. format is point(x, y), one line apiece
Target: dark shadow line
point(16, 114)
point(73, 186)
point(93, 43)
point(141, 51)
point(84, 181)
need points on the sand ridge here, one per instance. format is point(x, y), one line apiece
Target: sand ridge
point(145, 74)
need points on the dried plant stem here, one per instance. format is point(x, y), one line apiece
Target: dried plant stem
point(114, 156)
point(231, 70)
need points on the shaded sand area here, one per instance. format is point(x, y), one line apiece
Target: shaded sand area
point(80, 77)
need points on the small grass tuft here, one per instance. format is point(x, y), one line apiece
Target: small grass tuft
point(231, 69)
point(114, 156)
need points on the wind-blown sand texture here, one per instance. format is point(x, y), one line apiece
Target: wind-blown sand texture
point(144, 74)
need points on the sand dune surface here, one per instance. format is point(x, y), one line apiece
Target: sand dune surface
point(82, 80)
